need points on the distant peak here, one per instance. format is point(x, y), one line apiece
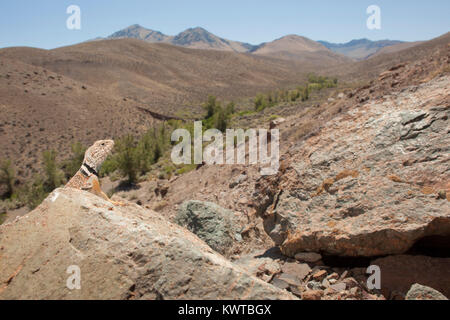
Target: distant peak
point(197, 29)
point(135, 26)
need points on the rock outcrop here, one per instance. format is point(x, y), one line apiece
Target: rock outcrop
point(371, 182)
point(419, 292)
point(121, 252)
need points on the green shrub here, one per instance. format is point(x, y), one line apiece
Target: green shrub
point(319, 82)
point(210, 106)
point(7, 178)
point(34, 192)
point(72, 165)
point(54, 176)
point(230, 109)
point(128, 158)
point(109, 166)
point(220, 120)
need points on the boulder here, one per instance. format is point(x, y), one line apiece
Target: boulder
point(419, 292)
point(117, 253)
point(215, 225)
point(371, 182)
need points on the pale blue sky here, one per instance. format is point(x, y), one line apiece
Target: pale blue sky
point(43, 23)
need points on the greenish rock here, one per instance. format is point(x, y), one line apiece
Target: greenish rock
point(210, 222)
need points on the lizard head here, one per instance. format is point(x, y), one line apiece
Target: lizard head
point(97, 153)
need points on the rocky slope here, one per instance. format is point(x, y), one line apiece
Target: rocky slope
point(369, 178)
point(373, 182)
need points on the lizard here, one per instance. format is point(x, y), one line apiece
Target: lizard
point(86, 178)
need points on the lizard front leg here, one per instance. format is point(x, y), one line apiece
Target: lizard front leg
point(93, 186)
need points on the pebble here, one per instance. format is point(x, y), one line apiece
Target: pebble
point(290, 279)
point(333, 276)
point(312, 295)
point(301, 270)
point(314, 285)
point(339, 287)
point(332, 281)
point(320, 275)
point(280, 283)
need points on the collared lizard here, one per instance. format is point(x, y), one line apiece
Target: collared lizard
point(86, 177)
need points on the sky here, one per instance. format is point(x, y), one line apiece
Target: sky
point(42, 23)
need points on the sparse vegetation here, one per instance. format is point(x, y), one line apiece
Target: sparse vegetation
point(54, 176)
point(7, 178)
point(71, 166)
point(34, 192)
point(271, 99)
point(217, 116)
point(135, 157)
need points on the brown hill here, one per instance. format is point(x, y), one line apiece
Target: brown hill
point(43, 110)
point(44, 105)
point(396, 48)
point(300, 49)
point(165, 77)
point(370, 69)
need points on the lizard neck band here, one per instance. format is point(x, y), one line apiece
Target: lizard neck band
point(89, 169)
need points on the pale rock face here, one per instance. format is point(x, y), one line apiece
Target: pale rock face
point(121, 252)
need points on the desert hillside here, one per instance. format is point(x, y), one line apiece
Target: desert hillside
point(370, 68)
point(94, 90)
point(164, 77)
point(363, 180)
point(362, 49)
point(301, 49)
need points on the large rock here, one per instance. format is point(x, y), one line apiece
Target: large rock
point(215, 225)
point(371, 182)
point(122, 253)
point(399, 273)
point(419, 292)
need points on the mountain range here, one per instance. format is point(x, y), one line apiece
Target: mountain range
point(287, 47)
point(361, 48)
point(195, 38)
